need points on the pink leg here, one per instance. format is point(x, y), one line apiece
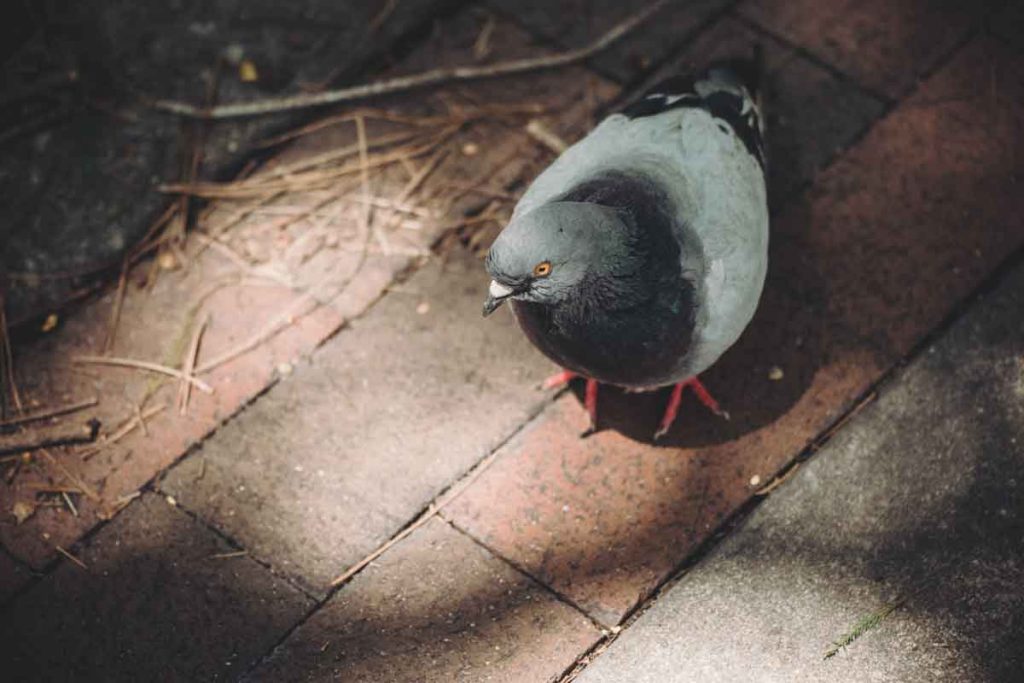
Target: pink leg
point(590, 402)
point(704, 397)
point(672, 409)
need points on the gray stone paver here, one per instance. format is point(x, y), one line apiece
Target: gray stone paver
point(576, 23)
point(1008, 23)
point(155, 603)
point(917, 500)
point(435, 608)
point(338, 457)
point(12, 576)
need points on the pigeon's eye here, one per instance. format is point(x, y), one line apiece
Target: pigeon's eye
point(542, 269)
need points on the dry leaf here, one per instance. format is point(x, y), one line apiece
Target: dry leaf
point(247, 72)
point(22, 511)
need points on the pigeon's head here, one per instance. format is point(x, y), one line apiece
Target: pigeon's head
point(544, 255)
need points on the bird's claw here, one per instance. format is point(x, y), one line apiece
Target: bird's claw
point(672, 409)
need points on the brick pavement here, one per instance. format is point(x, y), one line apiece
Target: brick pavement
point(350, 448)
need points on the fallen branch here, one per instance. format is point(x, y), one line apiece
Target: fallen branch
point(428, 78)
point(8, 425)
point(53, 442)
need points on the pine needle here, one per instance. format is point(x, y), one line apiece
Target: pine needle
point(866, 624)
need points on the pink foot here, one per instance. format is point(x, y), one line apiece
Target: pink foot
point(672, 409)
point(589, 397)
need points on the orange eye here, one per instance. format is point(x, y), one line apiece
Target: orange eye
point(542, 269)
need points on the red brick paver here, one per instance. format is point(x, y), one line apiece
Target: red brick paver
point(437, 607)
point(909, 221)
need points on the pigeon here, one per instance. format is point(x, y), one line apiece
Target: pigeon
point(638, 257)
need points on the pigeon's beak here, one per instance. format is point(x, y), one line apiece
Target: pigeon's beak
point(496, 295)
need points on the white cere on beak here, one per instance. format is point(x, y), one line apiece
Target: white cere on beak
point(498, 290)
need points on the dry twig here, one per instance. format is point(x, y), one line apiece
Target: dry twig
point(147, 366)
point(126, 428)
point(67, 501)
point(429, 78)
point(188, 367)
point(47, 413)
point(87, 490)
point(547, 137)
point(228, 556)
point(71, 557)
point(7, 382)
point(148, 242)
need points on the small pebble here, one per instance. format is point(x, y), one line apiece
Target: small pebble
point(423, 308)
point(233, 53)
point(470, 149)
point(167, 261)
point(50, 323)
point(755, 480)
point(284, 369)
point(775, 374)
point(172, 501)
